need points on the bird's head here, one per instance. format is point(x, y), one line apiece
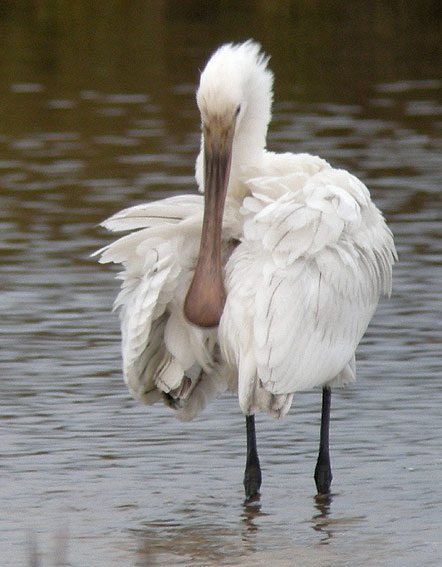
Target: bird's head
point(234, 98)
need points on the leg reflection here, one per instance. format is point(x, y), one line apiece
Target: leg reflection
point(321, 521)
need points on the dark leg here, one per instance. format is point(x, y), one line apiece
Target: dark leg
point(323, 474)
point(252, 474)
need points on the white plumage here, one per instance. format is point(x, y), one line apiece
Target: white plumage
point(160, 348)
point(305, 257)
point(316, 255)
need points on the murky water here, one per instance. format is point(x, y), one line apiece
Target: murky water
point(95, 116)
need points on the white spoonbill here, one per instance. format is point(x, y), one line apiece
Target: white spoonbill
point(265, 284)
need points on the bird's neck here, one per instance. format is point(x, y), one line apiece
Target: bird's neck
point(247, 156)
point(248, 152)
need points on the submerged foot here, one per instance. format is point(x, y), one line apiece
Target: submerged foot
point(252, 483)
point(323, 476)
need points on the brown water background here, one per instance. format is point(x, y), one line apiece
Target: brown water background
point(97, 113)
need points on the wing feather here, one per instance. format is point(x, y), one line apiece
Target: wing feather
point(306, 279)
point(171, 210)
point(162, 352)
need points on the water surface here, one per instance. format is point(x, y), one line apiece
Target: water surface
point(96, 116)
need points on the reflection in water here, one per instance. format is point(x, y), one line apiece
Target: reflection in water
point(250, 514)
point(321, 521)
point(329, 526)
point(190, 542)
point(194, 543)
point(199, 543)
point(58, 554)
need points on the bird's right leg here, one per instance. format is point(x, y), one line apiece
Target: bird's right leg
point(252, 474)
point(323, 473)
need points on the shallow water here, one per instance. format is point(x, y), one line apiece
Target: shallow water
point(93, 122)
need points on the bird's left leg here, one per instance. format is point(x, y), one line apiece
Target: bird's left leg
point(323, 473)
point(252, 474)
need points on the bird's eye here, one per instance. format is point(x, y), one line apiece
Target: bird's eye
point(238, 110)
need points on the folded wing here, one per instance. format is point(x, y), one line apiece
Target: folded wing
point(164, 357)
point(304, 283)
